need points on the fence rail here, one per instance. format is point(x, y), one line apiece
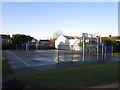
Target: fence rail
point(33, 47)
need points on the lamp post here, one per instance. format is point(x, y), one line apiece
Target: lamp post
point(84, 37)
point(83, 49)
point(98, 35)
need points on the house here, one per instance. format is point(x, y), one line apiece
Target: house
point(30, 45)
point(33, 41)
point(5, 38)
point(5, 41)
point(74, 42)
point(44, 44)
point(68, 42)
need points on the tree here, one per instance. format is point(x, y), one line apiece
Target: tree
point(108, 41)
point(116, 46)
point(56, 34)
point(20, 38)
point(112, 42)
point(54, 37)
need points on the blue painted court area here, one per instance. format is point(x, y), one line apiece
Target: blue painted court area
point(39, 60)
point(87, 57)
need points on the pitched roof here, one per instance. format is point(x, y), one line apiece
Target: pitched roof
point(72, 37)
point(45, 40)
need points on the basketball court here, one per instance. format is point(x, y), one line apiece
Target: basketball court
point(29, 60)
point(22, 61)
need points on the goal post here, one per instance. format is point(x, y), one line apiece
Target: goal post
point(31, 46)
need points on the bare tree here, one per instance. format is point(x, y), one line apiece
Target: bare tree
point(56, 34)
point(54, 37)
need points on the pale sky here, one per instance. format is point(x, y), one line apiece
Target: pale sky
point(41, 19)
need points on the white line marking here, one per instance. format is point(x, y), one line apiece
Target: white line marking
point(19, 59)
point(38, 65)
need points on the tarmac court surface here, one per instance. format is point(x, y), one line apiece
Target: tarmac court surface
point(22, 61)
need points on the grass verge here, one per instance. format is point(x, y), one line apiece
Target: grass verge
point(76, 77)
point(116, 54)
point(6, 70)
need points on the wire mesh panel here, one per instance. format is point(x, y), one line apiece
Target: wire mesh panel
point(108, 49)
point(30, 46)
point(74, 53)
point(68, 53)
point(42, 47)
point(20, 46)
point(90, 49)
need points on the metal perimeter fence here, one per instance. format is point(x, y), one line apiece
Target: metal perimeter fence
point(33, 47)
point(75, 53)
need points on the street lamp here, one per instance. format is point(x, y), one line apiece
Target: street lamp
point(99, 36)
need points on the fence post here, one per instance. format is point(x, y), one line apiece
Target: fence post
point(83, 51)
point(112, 52)
point(22, 46)
point(26, 47)
point(16, 46)
point(58, 53)
point(72, 54)
point(97, 46)
point(102, 51)
point(36, 46)
point(112, 49)
point(105, 52)
point(97, 52)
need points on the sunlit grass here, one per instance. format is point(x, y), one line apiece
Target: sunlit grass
point(75, 77)
point(116, 54)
